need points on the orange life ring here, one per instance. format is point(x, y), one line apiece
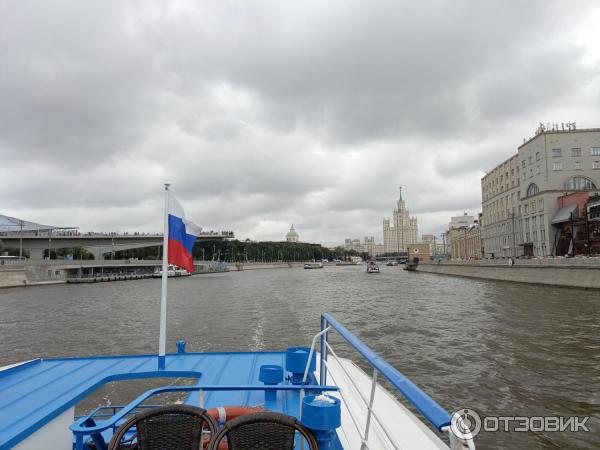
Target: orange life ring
point(224, 413)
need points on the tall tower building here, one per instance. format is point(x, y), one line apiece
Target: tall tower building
point(402, 231)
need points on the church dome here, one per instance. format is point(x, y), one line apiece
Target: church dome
point(292, 235)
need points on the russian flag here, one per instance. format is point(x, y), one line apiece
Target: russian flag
point(182, 235)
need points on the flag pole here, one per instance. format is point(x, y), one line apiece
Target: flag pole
point(163, 290)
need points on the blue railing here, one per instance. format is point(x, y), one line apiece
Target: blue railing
point(430, 409)
point(86, 426)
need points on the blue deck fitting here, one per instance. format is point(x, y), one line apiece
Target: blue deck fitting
point(33, 394)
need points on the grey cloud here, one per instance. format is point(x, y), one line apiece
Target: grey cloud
point(266, 113)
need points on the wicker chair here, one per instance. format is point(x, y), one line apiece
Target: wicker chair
point(173, 427)
point(263, 431)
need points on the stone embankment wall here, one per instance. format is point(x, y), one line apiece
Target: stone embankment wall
point(257, 266)
point(566, 275)
point(12, 277)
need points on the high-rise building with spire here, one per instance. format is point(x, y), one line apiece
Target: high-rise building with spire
point(402, 232)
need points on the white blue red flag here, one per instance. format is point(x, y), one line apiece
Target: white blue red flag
point(182, 235)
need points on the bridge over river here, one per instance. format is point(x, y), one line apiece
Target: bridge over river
point(37, 243)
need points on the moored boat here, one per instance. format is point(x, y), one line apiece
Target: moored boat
point(411, 266)
point(313, 265)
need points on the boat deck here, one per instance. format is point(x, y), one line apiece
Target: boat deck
point(35, 392)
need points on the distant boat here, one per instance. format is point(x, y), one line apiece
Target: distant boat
point(411, 266)
point(313, 265)
point(392, 263)
point(372, 267)
point(356, 259)
point(345, 263)
point(173, 271)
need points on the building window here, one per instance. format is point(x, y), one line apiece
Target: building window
point(532, 189)
point(543, 234)
point(539, 170)
point(575, 152)
point(523, 162)
point(557, 166)
point(595, 164)
point(530, 160)
point(595, 151)
point(524, 176)
point(579, 183)
point(577, 165)
point(557, 152)
point(537, 156)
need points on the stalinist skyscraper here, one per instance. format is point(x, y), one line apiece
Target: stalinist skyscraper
point(403, 232)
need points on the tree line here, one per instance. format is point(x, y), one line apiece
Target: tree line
point(227, 250)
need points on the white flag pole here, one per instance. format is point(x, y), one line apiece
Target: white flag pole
point(163, 291)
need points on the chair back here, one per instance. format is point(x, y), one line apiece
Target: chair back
point(173, 427)
point(263, 431)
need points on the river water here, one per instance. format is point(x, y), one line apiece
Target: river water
point(501, 349)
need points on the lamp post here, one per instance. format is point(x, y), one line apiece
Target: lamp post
point(21, 240)
point(513, 235)
point(443, 235)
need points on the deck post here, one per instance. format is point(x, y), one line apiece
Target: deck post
point(323, 367)
point(370, 409)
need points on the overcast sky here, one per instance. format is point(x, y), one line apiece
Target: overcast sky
point(262, 114)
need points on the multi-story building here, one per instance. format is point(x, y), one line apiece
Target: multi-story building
point(464, 237)
point(402, 231)
point(465, 242)
point(368, 246)
point(519, 197)
point(499, 206)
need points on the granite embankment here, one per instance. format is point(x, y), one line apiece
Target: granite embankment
point(574, 273)
point(16, 274)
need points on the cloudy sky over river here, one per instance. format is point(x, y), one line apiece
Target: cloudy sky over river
point(264, 114)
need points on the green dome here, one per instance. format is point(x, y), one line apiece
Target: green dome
point(292, 233)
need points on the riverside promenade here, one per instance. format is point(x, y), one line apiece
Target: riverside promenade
point(576, 272)
point(20, 273)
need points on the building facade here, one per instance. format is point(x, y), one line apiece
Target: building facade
point(465, 242)
point(401, 231)
point(368, 246)
point(464, 237)
point(520, 196)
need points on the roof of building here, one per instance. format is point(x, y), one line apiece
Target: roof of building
point(292, 233)
point(11, 224)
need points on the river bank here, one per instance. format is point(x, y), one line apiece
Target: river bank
point(563, 273)
point(41, 273)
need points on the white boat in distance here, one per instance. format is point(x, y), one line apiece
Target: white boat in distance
point(313, 265)
point(173, 271)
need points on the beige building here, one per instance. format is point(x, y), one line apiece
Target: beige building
point(421, 251)
point(520, 196)
point(401, 231)
point(368, 246)
point(465, 242)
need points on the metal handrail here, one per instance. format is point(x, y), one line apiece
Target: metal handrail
point(79, 427)
point(428, 407)
point(368, 403)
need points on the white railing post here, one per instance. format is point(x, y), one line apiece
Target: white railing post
point(370, 408)
point(201, 400)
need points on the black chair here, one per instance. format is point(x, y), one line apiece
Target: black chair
point(263, 431)
point(173, 427)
